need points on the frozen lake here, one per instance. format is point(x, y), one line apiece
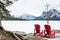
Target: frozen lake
point(28, 26)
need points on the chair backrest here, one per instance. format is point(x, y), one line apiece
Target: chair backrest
point(47, 28)
point(37, 28)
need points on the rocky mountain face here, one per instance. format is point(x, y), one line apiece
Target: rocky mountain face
point(52, 14)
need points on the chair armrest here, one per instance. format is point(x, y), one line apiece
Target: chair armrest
point(52, 32)
point(45, 32)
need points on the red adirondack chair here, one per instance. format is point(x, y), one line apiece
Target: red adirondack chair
point(48, 32)
point(37, 30)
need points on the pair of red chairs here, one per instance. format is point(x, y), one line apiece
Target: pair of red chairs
point(47, 32)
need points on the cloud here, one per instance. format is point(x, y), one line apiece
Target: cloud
point(33, 7)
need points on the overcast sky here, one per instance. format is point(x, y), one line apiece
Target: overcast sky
point(33, 7)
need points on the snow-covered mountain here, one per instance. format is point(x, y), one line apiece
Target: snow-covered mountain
point(53, 14)
point(27, 17)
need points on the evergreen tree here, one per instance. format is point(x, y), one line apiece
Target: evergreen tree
point(3, 10)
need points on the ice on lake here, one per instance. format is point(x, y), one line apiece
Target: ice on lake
point(28, 26)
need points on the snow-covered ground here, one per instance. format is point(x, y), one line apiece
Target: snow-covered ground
point(56, 38)
point(28, 26)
